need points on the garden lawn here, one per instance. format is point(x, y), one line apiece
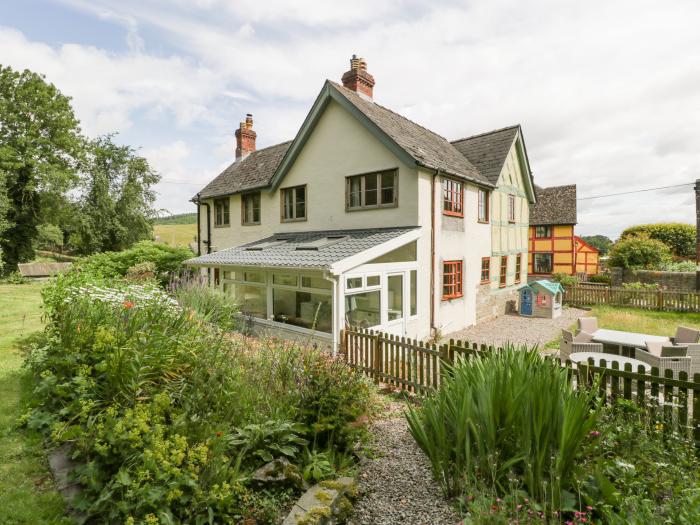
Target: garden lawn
point(27, 492)
point(643, 321)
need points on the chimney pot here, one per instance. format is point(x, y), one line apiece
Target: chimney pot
point(245, 138)
point(358, 79)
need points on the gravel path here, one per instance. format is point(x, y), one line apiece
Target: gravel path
point(517, 329)
point(397, 485)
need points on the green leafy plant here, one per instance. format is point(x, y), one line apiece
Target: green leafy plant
point(679, 237)
point(318, 466)
point(504, 414)
point(565, 279)
point(641, 252)
point(604, 278)
point(210, 304)
point(269, 440)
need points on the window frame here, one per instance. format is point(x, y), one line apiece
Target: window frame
point(454, 268)
point(534, 262)
point(453, 194)
point(225, 204)
point(486, 269)
point(548, 229)
point(483, 197)
point(362, 177)
point(293, 189)
point(245, 196)
point(518, 267)
point(503, 272)
point(511, 208)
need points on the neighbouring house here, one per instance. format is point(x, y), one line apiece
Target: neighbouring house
point(367, 219)
point(554, 247)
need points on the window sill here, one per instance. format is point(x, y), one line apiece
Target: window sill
point(485, 282)
point(294, 220)
point(365, 208)
point(453, 214)
point(482, 222)
point(250, 224)
point(222, 225)
point(452, 297)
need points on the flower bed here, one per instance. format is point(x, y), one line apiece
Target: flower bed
point(171, 416)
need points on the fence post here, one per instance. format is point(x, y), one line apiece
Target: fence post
point(376, 356)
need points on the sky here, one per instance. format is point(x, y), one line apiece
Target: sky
point(607, 93)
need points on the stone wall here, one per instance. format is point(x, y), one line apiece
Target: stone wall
point(490, 304)
point(684, 281)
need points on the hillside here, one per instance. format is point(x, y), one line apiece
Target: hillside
point(180, 218)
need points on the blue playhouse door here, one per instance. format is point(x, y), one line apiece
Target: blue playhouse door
point(526, 302)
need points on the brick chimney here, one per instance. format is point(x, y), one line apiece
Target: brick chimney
point(245, 138)
point(357, 79)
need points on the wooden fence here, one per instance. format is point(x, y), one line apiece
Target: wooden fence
point(677, 301)
point(419, 367)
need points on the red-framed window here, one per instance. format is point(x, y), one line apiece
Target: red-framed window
point(511, 208)
point(483, 206)
point(452, 198)
point(503, 273)
point(451, 280)
point(485, 269)
point(518, 267)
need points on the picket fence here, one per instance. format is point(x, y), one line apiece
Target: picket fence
point(676, 301)
point(419, 367)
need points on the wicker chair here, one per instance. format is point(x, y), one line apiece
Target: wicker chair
point(588, 324)
point(685, 336)
point(668, 357)
point(570, 345)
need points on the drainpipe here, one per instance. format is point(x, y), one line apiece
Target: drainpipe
point(199, 229)
point(432, 251)
point(208, 241)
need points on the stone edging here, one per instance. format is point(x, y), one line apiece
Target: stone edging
point(323, 503)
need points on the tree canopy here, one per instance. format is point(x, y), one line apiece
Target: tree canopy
point(679, 237)
point(639, 252)
point(55, 182)
point(599, 242)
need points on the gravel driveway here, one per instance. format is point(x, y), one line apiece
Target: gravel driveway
point(397, 485)
point(516, 329)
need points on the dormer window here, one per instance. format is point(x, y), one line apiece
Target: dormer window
point(372, 190)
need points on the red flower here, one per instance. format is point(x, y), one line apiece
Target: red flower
point(219, 434)
point(128, 304)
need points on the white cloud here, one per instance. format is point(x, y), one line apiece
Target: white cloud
point(607, 96)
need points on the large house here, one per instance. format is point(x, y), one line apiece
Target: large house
point(367, 219)
point(554, 247)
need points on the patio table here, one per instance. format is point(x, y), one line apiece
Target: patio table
point(582, 357)
point(623, 340)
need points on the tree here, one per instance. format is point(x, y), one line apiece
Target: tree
point(49, 237)
point(116, 204)
point(599, 242)
point(4, 208)
point(39, 142)
point(679, 237)
point(639, 252)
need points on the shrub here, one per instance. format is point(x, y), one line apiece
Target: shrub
point(167, 260)
point(502, 416)
point(565, 279)
point(678, 266)
point(208, 303)
point(143, 271)
point(639, 253)
point(680, 238)
point(605, 278)
point(168, 415)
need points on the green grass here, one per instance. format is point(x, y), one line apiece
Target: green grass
point(27, 493)
point(643, 321)
point(175, 234)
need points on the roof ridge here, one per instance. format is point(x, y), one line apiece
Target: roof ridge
point(392, 111)
point(485, 133)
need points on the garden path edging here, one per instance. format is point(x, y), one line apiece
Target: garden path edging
point(321, 504)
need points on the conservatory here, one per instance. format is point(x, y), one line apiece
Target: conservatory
point(313, 284)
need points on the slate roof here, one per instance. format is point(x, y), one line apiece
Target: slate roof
point(555, 205)
point(488, 151)
point(429, 149)
point(283, 252)
point(253, 172)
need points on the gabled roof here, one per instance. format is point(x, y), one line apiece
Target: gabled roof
point(551, 286)
point(313, 250)
point(488, 151)
point(555, 205)
point(253, 172)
